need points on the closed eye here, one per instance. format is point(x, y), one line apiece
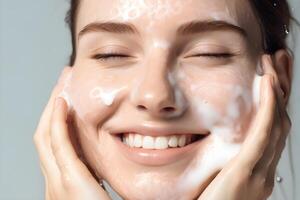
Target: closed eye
point(214, 55)
point(109, 56)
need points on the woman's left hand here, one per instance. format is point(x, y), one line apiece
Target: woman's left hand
point(250, 175)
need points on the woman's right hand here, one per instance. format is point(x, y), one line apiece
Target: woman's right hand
point(65, 174)
point(251, 174)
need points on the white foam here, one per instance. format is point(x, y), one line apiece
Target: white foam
point(161, 44)
point(154, 10)
point(107, 96)
point(180, 100)
point(217, 154)
point(223, 128)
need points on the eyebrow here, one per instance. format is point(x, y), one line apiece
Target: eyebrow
point(192, 27)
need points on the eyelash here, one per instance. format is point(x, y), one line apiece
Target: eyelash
point(109, 56)
point(214, 55)
point(113, 56)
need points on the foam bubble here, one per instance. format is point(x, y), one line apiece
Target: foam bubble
point(217, 154)
point(107, 96)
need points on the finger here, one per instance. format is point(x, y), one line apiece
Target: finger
point(260, 130)
point(46, 115)
point(279, 148)
point(65, 155)
point(62, 147)
point(74, 173)
point(265, 169)
point(263, 165)
point(269, 69)
point(283, 125)
point(41, 136)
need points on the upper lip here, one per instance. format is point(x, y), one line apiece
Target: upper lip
point(154, 130)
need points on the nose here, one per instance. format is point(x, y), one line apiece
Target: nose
point(159, 96)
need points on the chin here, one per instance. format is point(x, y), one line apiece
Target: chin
point(136, 179)
point(151, 185)
point(163, 183)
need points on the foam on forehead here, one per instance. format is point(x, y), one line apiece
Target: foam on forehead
point(153, 9)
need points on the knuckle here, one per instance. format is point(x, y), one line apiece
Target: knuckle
point(282, 144)
point(260, 181)
point(269, 190)
point(68, 181)
point(287, 125)
point(37, 138)
point(270, 161)
point(244, 175)
point(270, 185)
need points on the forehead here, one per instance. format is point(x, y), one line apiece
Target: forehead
point(164, 16)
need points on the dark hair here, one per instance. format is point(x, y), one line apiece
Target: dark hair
point(274, 17)
point(70, 19)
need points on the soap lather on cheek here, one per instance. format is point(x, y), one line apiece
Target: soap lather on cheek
point(219, 151)
point(212, 158)
point(227, 123)
point(106, 96)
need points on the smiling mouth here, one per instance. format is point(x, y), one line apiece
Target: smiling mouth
point(135, 140)
point(158, 146)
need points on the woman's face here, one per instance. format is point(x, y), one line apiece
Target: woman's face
point(163, 114)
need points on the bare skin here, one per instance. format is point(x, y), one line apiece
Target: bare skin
point(249, 176)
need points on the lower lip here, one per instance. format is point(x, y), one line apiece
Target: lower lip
point(157, 157)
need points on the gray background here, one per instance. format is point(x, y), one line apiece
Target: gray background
point(34, 47)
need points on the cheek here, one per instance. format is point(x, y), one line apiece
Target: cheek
point(93, 98)
point(223, 109)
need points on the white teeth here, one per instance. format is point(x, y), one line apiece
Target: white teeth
point(160, 142)
point(138, 140)
point(173, 141)
point(148, 142)
point(126, 140)
point(182, 141)
point(131, 140)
